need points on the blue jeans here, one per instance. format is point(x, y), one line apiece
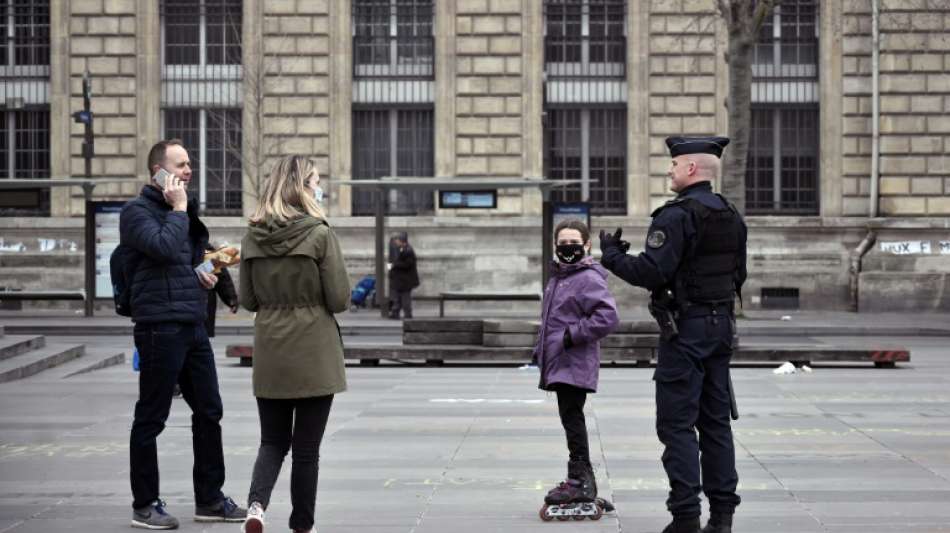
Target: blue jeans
point(169, 353)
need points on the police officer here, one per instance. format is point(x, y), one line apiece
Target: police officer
point(694, 264)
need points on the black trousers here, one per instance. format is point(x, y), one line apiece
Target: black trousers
point(570, 405)
point(173, 353)
point(297, 425)
point(692, 398)
point(401, 300)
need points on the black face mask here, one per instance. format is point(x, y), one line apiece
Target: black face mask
point(570, 253)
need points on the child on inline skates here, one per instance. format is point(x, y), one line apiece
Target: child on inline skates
point(576, 313)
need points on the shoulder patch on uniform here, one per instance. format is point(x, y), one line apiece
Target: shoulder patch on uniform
point(656, 238)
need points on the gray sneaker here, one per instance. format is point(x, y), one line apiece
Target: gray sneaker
point(154, 516)
point(223, 511)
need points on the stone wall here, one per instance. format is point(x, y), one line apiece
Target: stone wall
point(683, 84)
point(102, 40)
point(504, 254)
point(489, 88)
point(291, 83)
point(914, 105)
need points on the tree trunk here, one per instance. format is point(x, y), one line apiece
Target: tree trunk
point(743, 20)
point(740, 118)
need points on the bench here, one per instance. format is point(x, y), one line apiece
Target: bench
point(42, 295)
point(485, 297)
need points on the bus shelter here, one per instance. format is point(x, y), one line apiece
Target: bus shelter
point(382, 187)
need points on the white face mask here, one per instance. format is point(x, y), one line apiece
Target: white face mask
point(318, 195)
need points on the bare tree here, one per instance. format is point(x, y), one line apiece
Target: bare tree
point(744, 19)
point(262, 136)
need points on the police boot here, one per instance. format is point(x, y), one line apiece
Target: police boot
point(683, 525)
point(719, 523)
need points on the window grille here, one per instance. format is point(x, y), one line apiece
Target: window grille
point(782, 166)
point(393, 142)
point(589, 144)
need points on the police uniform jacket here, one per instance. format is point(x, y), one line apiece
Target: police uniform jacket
point(674, 244)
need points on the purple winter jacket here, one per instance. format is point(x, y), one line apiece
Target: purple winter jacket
point(576, 298)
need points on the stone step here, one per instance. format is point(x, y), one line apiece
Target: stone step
point(78, 329)
point(516, 340)
point(753, 353)
point(36, 361)
point(2, 332)
point(883, 357)
point(90, 362)
point(442, 325)
point(626, 327)
point(15, 345)
point(442, 337)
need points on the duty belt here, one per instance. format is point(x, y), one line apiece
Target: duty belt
point(697, 309)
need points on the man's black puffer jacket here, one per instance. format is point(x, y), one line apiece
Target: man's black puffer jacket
point(165, 287)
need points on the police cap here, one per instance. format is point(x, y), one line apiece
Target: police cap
point(696, 145)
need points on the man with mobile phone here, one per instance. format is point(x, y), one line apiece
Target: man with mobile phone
point(169, 294)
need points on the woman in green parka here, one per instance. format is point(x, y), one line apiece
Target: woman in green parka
point(293, 277)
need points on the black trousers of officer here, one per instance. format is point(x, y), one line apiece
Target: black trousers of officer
point(692, 396)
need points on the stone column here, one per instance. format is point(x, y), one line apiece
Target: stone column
point(103, 40)
point(445, 73)
point(638, 109)
point(252, 112)
point(830, 110)
point(490, 94)
point(148, 83)
point(532, 45)
point(59, 111)
point(341, 105)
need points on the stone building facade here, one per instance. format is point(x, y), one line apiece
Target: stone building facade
point(546, 89)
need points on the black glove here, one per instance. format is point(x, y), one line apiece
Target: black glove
point(568, 342)
point(624, 246)
point(608, 241)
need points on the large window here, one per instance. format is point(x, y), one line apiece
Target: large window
point(392, 38)
point(393, 53)
point(202, 32)
point(393, 142)
point(589, 145)
point(24, 154)
point(782, 171)
point(213, 140)
point(585, 38)
point(585, 94)
point(202, 94)
point(24, 103)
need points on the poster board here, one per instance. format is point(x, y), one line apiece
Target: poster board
point(106, 217)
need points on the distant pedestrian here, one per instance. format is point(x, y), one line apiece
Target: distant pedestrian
point(403, 277)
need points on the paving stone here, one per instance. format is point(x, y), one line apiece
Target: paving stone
point(417, 449)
